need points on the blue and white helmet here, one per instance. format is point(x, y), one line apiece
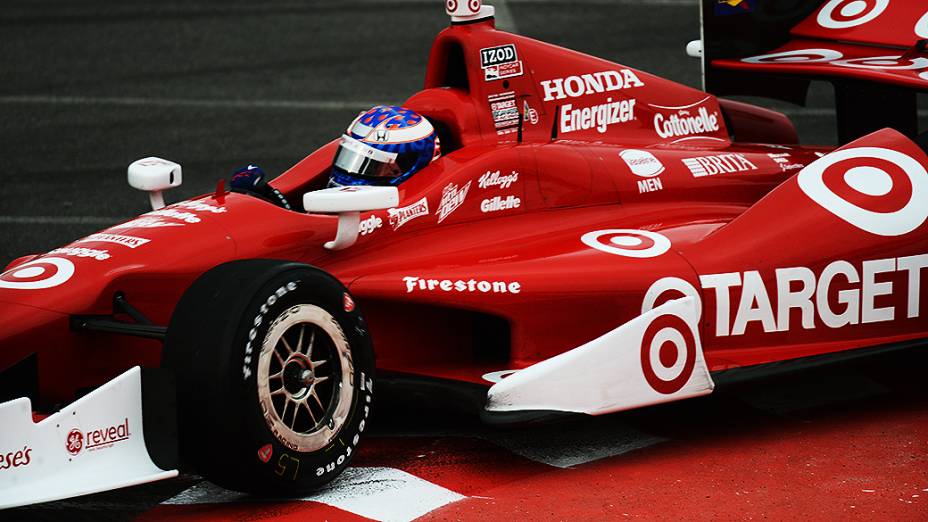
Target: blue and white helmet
point(384, 146)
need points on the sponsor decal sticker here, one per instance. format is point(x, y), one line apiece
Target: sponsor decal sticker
point(500, 203)
point(265, 453)
point(452, 197)
point(495, 179)
point(146, 222)
point(400, 216)
point(200, 206)
point(369, 225)
point(99, 255)
point(528, 113)
point(627, 242)
point(500, 62)
point(74, 442)
point(97, 439)
point(505, 112)
point(687, 120)
point(593, 83)
point(461, 286)
point(783, 161)
point(15, 459)
point(598, 117)
point(702, 166)
point(127, 241)
point(670, 343)
point(348, 302)
point(45, 272)
point(644, 165)
point(843, 14)
point(878, 190)
point(833, 57)
point(841, 294)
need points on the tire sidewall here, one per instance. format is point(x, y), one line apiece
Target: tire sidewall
point(283, 469)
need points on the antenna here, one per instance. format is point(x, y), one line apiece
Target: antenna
point(465, 11)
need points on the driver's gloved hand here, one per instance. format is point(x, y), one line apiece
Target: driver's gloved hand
point(252, 180)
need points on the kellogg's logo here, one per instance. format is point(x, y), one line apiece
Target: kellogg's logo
point(494, 179)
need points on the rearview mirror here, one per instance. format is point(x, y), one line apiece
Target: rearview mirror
point(348, 203)
point(154, 175)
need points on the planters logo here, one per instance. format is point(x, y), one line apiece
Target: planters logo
point(733, 7)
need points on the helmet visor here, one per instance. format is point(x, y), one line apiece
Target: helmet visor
point(359, 159)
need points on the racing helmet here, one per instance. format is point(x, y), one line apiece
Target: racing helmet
point(384, 146)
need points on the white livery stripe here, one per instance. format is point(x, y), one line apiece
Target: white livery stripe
point(385, 494)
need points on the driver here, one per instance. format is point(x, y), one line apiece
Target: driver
point(384, 146)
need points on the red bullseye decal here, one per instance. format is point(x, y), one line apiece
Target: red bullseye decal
point(799, 56)
point(881, 191)
point(627, 242)
point(668, 354)
point(451, 6)
point(474, 5)
point(45, 272)
point(896, 62)
point(842, 14)
point(670, 343)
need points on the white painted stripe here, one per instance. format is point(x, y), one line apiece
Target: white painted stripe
point(185, 102)
point(594, 440)
point(60, 220)
point(385, 494)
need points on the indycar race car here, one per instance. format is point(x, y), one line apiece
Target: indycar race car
point(592, 239)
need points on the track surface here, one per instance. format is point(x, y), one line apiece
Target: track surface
point(91, 86)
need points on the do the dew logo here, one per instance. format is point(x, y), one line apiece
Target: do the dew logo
point(878, 190)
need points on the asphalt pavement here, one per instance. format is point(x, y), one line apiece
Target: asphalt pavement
point(90, 86)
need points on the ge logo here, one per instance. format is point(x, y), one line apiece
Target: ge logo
point(75, 441)
point(369, 225)
point(881, 191)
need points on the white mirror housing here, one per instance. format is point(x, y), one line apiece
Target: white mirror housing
point(348, 203)
point(154, 175)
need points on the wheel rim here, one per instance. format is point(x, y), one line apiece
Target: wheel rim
point(305, 378)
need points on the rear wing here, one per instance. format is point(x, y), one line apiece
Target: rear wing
point(874, 52)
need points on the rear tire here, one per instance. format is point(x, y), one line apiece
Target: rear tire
point(274, 371)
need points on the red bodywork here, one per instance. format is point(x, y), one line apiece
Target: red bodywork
point(494, 274)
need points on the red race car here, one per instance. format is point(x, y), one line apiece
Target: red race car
point(591, 239)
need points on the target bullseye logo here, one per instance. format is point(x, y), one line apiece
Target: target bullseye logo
point(668, 354)
point(843, 14)
point(627, 242)
point(884, 62)
point(451, 6)
point(46, 272)
point(878, 190)
point(475, 5)
point(798, 56)
point(670, 342)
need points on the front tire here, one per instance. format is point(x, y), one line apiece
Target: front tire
point(274, 371)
